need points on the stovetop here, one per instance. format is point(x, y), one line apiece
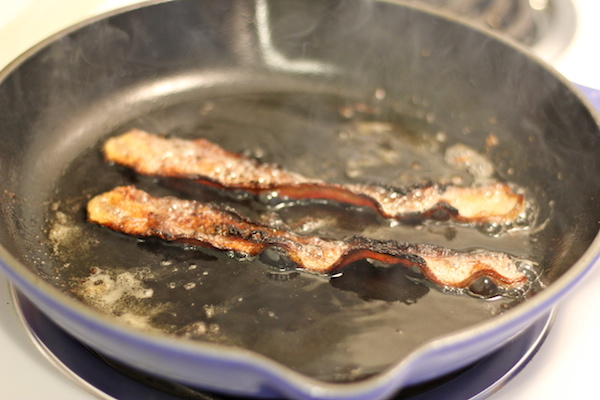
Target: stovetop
point(564, 367)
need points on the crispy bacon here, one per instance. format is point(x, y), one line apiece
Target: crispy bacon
point(134, 212)
point(209, 164)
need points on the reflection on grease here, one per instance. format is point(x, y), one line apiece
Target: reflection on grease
point(370, 282)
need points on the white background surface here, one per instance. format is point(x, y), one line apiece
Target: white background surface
point(565, 367)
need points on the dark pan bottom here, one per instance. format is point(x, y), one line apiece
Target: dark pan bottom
point(100, 375)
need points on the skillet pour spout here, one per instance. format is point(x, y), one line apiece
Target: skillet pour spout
point(344, 91)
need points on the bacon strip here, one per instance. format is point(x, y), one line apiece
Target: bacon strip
point(209, 164)
point(134, 212)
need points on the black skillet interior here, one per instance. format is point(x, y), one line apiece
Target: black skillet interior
point(342, 90)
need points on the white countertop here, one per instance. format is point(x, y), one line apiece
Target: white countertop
point(564, 368)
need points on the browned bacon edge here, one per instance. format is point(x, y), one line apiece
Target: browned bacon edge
point(209, 164)
point(134, 212)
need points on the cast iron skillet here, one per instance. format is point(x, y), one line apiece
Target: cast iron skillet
point(314, 86)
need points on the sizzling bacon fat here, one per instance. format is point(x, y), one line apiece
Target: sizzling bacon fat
point(134, 212)
point(209, 164)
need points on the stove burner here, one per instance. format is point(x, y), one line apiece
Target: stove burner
point(545, 26)
point(108, 379)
